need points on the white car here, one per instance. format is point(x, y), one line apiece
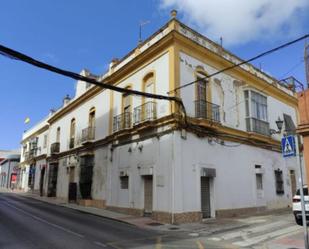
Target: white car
point(297, 205)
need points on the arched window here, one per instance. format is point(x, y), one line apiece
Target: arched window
point(91, 128)
point(72, 128)
point(126, 109)
point(72, 134)
point(92, 117)
point(58, 135)
point(148, 104)
point(201, 93)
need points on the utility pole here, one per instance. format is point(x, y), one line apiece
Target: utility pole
point(303, 210)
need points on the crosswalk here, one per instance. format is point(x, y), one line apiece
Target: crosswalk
point(256, 234)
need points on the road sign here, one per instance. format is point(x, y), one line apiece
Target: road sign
point(288, 146)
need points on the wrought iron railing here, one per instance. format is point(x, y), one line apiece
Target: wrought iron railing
point(257, 126)
point(88, 134)
point(55, 148)
point(122, 121)
point(207, 110)
point(145, 112)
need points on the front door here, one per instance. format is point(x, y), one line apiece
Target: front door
point(52, 180)
point(205, 197)
point(293, 181)
point(42, 181)
point(148, 190)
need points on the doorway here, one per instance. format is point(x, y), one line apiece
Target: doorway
point(148, 194)
point(52, 180)
point(205, 197)
point(42, 181)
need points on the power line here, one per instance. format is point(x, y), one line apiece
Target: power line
point(263, 89)
point(13, 54)
point(245, 62)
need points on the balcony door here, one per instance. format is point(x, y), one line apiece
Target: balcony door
point(201, 97)
point(126, 102)
point(148, 107)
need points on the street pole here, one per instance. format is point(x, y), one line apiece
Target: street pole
point(303, 210)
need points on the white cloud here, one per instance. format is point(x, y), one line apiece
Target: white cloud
point(242, 21)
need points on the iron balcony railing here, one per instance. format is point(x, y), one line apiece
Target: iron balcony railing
point(207, 110)
point(257, 126)
point(71, 143)
point(122, 121)
point(26, 155)
point(55, 148)
point(145, 112)
point(88, 134)
point(33, 153)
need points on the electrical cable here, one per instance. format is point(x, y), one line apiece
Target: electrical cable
point(12, 54)
point(244, 62)
point(264, 88)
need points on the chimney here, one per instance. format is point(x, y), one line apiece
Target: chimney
point(66, 100)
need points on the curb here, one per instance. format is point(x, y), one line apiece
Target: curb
point(76, 209)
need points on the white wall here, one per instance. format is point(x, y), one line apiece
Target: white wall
point(81, 115)
point(232, 104)
point(161, 69)
point(235, 183)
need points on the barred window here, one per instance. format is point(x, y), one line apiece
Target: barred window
point(124, 182)
point(279, 182)
point(259, 181)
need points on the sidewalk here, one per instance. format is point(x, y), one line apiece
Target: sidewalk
point(210, 226)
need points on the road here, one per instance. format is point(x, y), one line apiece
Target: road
point(27, 223)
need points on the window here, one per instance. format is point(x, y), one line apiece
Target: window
point(279, 182)
point(45, 141)
point(92, 117)
point(259, 181)
point(256, 112)
point(126, 106)
point(58, 135)
point(124, 182)
point(72, 134)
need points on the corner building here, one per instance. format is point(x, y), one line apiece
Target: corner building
point(143, 156)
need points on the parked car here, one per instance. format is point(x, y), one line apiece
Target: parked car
point(297, 205)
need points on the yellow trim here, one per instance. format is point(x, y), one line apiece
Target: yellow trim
point(44, 128)
point(218, 62)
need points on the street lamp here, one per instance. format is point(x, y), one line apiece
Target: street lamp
point(279, 124)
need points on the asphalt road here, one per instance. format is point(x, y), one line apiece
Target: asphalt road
point(27, 223)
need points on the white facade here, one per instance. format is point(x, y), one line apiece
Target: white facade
point(153, 162)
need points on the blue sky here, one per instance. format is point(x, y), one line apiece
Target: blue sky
point(76, 34)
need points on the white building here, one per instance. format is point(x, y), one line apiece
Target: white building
point(143, 157)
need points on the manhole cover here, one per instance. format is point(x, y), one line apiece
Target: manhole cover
point(154, 224)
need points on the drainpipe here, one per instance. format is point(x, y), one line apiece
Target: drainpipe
point(173, 181)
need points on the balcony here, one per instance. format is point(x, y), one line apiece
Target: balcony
point(33, 153)
point(71, 143)
point(122, 121)
point(257, 126)
point(55, 148)
point(145, 112)
point(26, 155)
point(207, 110)
point(88, 134)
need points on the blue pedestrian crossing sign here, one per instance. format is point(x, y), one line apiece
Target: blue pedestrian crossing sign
point(288, 146)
